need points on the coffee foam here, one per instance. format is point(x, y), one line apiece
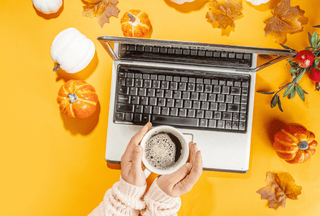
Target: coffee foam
point(160, 152)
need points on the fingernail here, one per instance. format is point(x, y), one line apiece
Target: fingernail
point(138, 148)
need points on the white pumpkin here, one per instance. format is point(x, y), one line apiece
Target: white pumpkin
point(181, 1)
point(257, 2)
point(72, 50)
point(47, 6)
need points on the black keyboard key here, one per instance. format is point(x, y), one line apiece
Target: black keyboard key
point(129, 117)
point(232, 55)
point(201, 53)
point(200, 114)
point(228, 125)
point(214, 106)
point(244, 91)
point(212, 97)
point(174, 86)
point(222, 82)
point(177, 95)
point(156, 49)
point(199, 80)
point(156, 84)
point(242, 126)
point(191, 87)
point(174, 111)
point(203, 96)
point(122, 81)
point(215, 82)
point(183, 112)
point(236, 99)
point(144, 100)
point(222, 107)
point(224, 55)
point(217, 115)
point(161, 102)
point(233, 108)
point(162, 77)
point(239, 55)
point(217, 89)
point(209, 54)
point(163, 50)
point(187, 104)
point(216, 54)
point(151, 93)
point(170, 51)
point(170, 102)
point(242, 117)
point(169, 78)
point(200, 88)
point(212, 123)
point(203, 123)
point(186, 95)
point(148, 109)
point(165, 111)
point(205, 105)
point(129, 82)
point(125, 107)
point(192, 80)
point(247, 56)
point(207, 81)
point(137, 118)
point(142, 92)
point(225, 89)
point(227, 116)
point(146, 76)
point(235, 125)
point(133, 91)
point(164, 85)
point(178, 51)
point(235, 91)
point(159, 93)
point(191, 113)
point(153, 101)
point(208, 114)
point(182, 86)
point(146, 118)
point(126, 99)
point(179, 104)
point(221, 124)
point(194, 96)
point(168, 94)
point(176, 78)
point(186, 52)
point(140, 48)
point(194, 52)
point(208, 88)
point(236, 117)
point(184, 79)
point(175, 121)
point(123, 90)
point(153, 77)
point(220, 98)
point(135, 100)
point(119, 116)
point(196, 105)
point(156, 110)
point(139, 83)
point(130, 75)
point(138, 109)
point(147, 84)
point(138, 76)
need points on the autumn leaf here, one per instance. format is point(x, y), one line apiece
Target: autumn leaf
point(280, 187)
point(102, 9)
point(286, 19)
point(224, 12)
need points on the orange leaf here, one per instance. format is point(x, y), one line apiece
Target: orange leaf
point(224, 12)
point(280, 187)
point(286, 19)
point(102, 9)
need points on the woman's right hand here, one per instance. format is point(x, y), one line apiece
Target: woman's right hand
point(182, 181)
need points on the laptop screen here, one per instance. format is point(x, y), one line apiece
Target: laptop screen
point(181, 52)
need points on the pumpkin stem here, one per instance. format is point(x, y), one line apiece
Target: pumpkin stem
point(317, 86)
point(303, 145)
point(132, 19)
point(56, 67)
point(73, 97)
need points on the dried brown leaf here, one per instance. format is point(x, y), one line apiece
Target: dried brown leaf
point(286, 19)
point(224, 12)
point(101, 9)
point(280, 187)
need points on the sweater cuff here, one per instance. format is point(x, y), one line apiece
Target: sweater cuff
point(159, 196)
point(129, 194)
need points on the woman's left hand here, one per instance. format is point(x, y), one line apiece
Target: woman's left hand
point(131, 166)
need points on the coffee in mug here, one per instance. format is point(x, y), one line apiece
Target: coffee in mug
point(163, 151)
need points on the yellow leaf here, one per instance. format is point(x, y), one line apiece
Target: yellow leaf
point(224, 12)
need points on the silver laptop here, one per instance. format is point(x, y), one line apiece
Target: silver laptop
point(205, 90)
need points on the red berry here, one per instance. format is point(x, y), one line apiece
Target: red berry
point(315, 75)
point(305, 58)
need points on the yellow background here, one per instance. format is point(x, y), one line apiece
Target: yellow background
point(53, 165)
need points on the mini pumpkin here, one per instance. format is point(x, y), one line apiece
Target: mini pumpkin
point(47, 6)
point(294, 143)
point(77, 99)
point(71, 50)
point(257, 2)
point(181, 1)
point(135, 23)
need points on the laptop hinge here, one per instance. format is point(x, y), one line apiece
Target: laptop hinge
point(107, 47)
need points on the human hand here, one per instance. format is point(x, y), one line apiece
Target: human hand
point(182, 181)
point(131, 167)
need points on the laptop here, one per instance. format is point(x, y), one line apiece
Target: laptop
point(205, 90)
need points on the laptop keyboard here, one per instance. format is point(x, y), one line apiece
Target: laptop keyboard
point(187, 55)
point(180, 99)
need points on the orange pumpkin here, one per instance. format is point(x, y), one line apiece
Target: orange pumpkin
point(294, 143)
point(135, 23)
point(77, 99)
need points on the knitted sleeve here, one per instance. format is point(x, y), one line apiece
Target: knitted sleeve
point(122, 199)
point(158, 203)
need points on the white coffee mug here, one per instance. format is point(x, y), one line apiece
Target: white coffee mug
point(184, 147)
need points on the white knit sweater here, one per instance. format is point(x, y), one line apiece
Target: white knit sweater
point(126, 199)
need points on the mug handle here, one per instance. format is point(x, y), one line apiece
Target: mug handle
point(190, 135)
point(146, 172)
